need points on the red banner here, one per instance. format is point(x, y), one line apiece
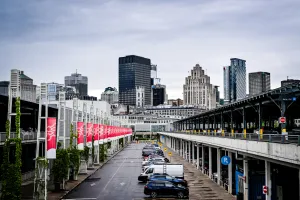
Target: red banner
point(96, 133)
point(80, 132)
point(89, 132)
point(101, 132)
point(51, 138)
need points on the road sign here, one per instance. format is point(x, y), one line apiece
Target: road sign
point(160, 144)
point(265, 189)
point(165, 149)
point(170, 153)
point(225, 160)
point(282, 120)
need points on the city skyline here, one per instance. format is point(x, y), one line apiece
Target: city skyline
point(65, 38)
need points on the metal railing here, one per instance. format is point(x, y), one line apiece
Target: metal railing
point(25, 135)
point(274, 138)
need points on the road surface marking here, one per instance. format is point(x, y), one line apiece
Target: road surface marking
point(122, 183)
point(81, 199)
point(112, 177)
point(93, 184)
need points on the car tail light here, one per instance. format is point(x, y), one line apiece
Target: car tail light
point(146, 186)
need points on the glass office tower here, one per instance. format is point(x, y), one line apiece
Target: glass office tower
point(134, 71)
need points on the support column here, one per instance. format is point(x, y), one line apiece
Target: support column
point(245, 163)
point(231, 124)
point(181, 148)
point(215, 128)
point(202, 163)
point(210, 162)
point(230, 173)
point(283, 125)
point(193, 150)
point(198, 154)
point(268, 179)
point(219, 165)
point(222, 124)
point(186, 149)
point(244, 122)
point(260, 120)
point(190, 152)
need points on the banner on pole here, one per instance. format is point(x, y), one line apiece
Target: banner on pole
point(96, 134)
point(89, 132)
point(80, 132)
point(51, 138)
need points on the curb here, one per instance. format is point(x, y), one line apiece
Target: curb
point(62, 197)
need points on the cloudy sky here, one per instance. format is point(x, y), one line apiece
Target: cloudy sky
point(51, 39)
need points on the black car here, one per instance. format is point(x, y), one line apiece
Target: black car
point(147, 152)
point(171, 179)
point(165, 188)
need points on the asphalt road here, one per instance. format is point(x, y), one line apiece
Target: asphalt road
point(116, 180)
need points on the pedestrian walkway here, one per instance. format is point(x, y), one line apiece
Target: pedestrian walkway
point(201, 187)
point(27, 187)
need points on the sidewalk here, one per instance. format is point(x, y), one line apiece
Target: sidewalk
point(201, 187)
point(27, 188)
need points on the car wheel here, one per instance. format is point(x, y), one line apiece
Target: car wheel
point(153, 194)
point(180, 195)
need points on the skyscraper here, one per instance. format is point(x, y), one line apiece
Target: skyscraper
point(79, 82)
point(198, 90)
point(134, 71)
point(235, 80)
point(259, 82)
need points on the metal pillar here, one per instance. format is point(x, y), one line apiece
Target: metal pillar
point(231, 123)
point(222, 124)
point(210, 162)
point(202, 162)
point(268, 179)
point(244, 121)
point(193, 150)
point(214, 123)
point(219, 165)
point(259, 119)
point(189, 158)
point(230, 174)
point(283, 125)
point(246, 181)
point(198, 154)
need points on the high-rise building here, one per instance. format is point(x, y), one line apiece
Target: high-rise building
point(259, 82)
point(159, 95)
point(79, 82)
point(198, 90)
point(25, 84)
point(289, 82)
point(134, 71)
point(110, 95)
point(235, 80)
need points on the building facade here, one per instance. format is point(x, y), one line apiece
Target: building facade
point(110, 95)
point(140, 97)
point(175, 102)
point(25, 84)
point(159, 95)
point(79, 82)
point(259, 82)
point(198, 90)
point(289, 82)
point(134, 71)
point(235, 80)
point(4, 87)
point(178, 112)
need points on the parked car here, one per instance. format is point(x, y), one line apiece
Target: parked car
point(155, 159)
point(176, 181)
point(175, 170)
point(165, 188)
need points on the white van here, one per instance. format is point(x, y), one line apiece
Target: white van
point(175, 170)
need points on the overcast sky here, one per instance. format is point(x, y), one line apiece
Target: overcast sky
point(51, 39)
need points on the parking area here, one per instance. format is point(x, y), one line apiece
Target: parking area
point(200, 186)
point(118, 180)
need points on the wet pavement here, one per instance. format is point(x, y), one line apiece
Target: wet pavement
point(117, 180)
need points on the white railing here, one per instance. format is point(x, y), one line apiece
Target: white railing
point(25, 135)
